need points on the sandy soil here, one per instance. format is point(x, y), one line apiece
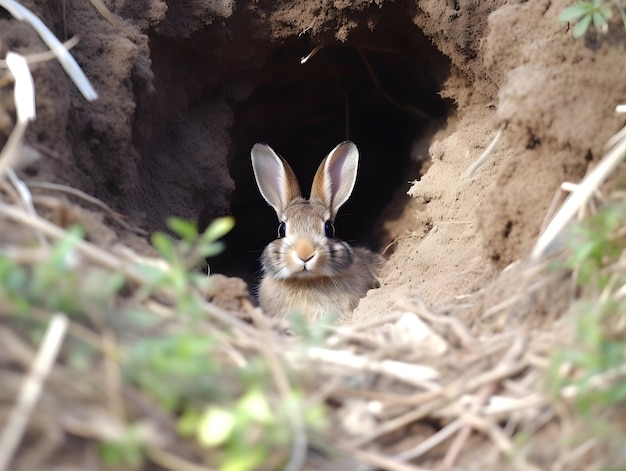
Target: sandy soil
point(161, 139)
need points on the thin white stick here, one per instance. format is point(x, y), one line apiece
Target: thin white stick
point(315, 50)
point(31, 388)
point(24, 97)
point(431, 442)
point(66, 60)
point(110, 17)
point(45, 55)
point(579, 197)
point(618, 136)
point(27, 199)
point(24, 87)
point(418, 375)
point(484, 156)
point(10, 151)
point(376, 460)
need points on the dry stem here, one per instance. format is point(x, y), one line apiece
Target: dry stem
point(31, 388)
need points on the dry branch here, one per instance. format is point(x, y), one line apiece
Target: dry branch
point(580, 196)
point(90, 199)
point(31, 389)
point(299, 440)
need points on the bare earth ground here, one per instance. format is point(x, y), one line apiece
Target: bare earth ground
point(449, 237)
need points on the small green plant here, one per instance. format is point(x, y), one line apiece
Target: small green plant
point(600, 350)
point(55, 283)
point(586, 13)
point(231, 412)
point(127, 450)
point(597, 243)
point(182, 256)
point(251, 433)
point(175, 369)
point(167, 348)
point(193, 246)
point(595, 360)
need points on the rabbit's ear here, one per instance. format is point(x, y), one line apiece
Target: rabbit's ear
point(335, 177)
point(274, 177)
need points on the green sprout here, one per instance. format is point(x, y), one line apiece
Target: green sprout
point(183, 256)
point(596, 356)
point(598, 12)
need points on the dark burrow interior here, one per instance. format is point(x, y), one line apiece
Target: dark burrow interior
point(380, 90)
point(229, 86)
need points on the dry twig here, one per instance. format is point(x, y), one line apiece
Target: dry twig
point(514, 353)
point(580, 196)
point(31, 388)
point(90, 199)
point(299, 440)
point(485, 155)
point(458, 327)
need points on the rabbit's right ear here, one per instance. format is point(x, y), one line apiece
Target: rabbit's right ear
point(276, 180)
point(334, 180)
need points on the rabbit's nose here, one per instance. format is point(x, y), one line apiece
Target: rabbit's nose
point(306, 259)
point(304, 250)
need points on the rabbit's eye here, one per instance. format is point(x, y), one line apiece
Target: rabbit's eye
point(282, 228)
point(329, 229)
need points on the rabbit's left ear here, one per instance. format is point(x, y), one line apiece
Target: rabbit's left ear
point(274, 177)
point(335, 177)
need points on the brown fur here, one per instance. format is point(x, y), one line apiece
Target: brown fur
point(308, 272)
point(315, 298)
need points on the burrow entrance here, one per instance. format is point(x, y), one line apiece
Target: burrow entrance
point(378, 89)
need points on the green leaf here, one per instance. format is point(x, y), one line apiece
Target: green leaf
point(188, 230)
point(581, 27)
point(153, 274)
point(599, 22)
point(254, 405)
point(575, 11)
point(141, 317)
point(63, 248)
point(81, 357)
point(164, 246)
point(618, 393)
point(211, 249)
point(13, 277)
point(218, 228)
point(606, 12)
point(177, 280)
point(120, 453)
point(215, 427)
point(316, 416)
point(253, 458)
point(155, 277)
point(188, 423)
point(174, 369)
point(101, 288)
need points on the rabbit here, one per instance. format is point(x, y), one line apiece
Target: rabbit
point(307, 270)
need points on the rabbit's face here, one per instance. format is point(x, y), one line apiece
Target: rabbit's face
point(306, 247)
